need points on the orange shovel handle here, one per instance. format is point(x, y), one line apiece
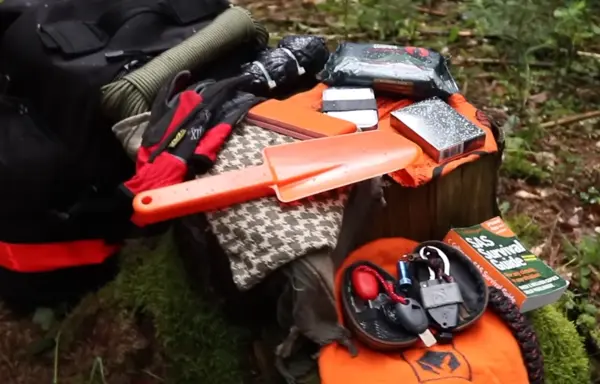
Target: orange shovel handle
point(208, 193)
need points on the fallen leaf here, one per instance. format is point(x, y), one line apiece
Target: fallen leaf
point(499, 91)
point(546, 158)
point(511, 123)
point(522, 194)
point(574, 221)
point(538, 250)
point(539, 98)
point(546, 192)
point(44, 317)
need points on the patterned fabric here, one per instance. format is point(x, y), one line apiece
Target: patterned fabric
point(262, 235)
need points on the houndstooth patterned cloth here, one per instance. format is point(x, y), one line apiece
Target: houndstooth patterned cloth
point(262, 235)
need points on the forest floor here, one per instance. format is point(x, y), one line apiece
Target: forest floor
point(549, 193)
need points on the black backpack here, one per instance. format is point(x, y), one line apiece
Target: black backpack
point(57, 151)
point(10, 10)
point(60, 163)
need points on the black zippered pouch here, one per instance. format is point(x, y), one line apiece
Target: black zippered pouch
point(368, 322)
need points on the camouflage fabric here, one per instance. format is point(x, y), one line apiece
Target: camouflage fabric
point(262, 235)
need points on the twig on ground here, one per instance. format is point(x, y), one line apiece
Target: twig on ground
point(56, 344)
point(469, 33)
point(550, 239)
point(589, 54)
point(350, 36)
point(483, 60)
point(435, 32)
point(552, 259)
point(430, 11)
point(8, 363)
point(486, 75)
point(594, 271)
point(295, 20)
point(465, 87)
point(147, 372)
point(98, 365)
point(571, 119)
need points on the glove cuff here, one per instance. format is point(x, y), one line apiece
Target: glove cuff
point(201, 164)
point(164, 171)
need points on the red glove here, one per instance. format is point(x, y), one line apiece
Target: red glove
point(182, 128)
point(223, 122)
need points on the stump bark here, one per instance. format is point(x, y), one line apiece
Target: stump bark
point(464, 197)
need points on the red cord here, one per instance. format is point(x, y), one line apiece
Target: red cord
point(387, 285)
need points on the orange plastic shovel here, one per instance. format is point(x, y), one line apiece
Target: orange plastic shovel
point(291, 171)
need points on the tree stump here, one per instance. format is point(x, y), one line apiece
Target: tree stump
point(464, 197)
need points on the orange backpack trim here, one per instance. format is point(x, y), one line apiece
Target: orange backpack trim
point(486, 353)
point(424, 169)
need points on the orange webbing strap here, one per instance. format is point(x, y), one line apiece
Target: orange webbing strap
point(486, 353)
point(43, 257)
point(424, 169)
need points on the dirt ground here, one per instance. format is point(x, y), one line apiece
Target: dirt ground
point(549, 191)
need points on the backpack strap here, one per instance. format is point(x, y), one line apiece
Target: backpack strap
point(81, 37)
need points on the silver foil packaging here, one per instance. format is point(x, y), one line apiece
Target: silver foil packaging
point(442, 132)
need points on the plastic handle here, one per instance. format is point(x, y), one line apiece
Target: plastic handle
point(201, 195)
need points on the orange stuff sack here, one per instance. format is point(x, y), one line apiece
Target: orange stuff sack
point(491, 351)
point(424, 169)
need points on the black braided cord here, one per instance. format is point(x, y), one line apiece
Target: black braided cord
point(522, 331)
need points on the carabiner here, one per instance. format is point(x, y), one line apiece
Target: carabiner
point(442, 256)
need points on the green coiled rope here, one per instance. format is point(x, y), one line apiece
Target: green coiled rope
point(134, 93)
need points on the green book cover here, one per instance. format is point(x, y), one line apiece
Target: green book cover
point(505, 262)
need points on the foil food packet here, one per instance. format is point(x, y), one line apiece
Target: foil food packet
point(442, 132)
point(417, 73)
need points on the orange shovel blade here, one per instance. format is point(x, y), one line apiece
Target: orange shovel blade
point(337, 162)
point(292, 171)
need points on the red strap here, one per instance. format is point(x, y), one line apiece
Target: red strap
point(388, 286)
point(164, 171)
point(51, 256)
point(188, 100)
point(213, 140)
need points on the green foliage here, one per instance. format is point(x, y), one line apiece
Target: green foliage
point(591, 196)
point(526, 27)
point(521, 24)
point(585, 255)
point(519, 161)
point(199, 346)
point(581, 304)
point(583, 312)
point(528, 230)
point(574, 24)
point(382, 20)
point(565, 358)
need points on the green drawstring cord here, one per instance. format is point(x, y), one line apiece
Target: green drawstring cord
point(134, 93)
